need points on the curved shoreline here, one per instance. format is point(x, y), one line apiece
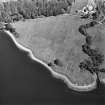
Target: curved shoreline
point(54, 74)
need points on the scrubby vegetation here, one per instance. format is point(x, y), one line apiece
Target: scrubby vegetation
point(31, 9)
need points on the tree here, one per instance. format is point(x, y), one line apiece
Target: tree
point(9, 27)
point(5, 17)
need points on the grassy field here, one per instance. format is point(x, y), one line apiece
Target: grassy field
point(55, 38)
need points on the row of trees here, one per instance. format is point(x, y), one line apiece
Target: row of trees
point(31, 9)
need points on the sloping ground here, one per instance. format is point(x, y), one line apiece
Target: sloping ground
point(56, 38)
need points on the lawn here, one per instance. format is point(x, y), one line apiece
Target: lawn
point(56, 38)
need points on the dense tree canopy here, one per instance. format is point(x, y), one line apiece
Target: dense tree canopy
point(31, 9)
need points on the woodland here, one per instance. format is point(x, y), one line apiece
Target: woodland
point(30, 9)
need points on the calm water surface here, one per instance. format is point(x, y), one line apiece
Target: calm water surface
point(23, 80)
